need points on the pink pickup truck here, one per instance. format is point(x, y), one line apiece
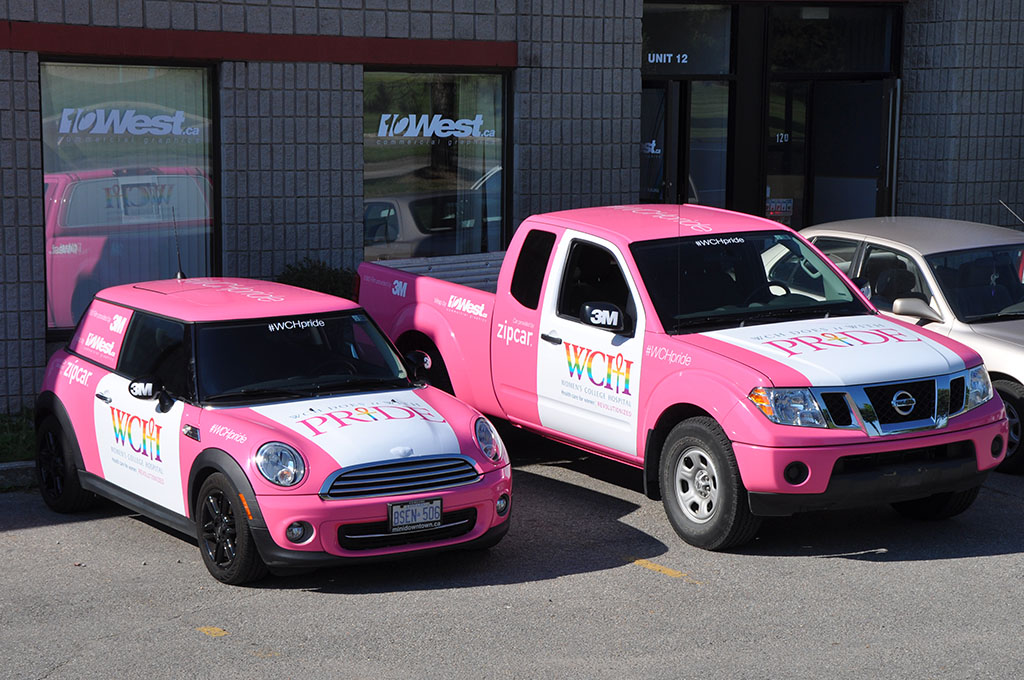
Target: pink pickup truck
point(721, 353)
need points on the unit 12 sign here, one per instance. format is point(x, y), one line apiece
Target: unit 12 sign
point(667, 58)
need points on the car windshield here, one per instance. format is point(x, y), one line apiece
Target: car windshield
point(301, 356)
point(983, 284)
point(740, 279)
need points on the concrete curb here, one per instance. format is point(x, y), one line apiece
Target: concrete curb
point(18, 475)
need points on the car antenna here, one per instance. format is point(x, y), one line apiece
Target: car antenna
point(1011, 211)
point(177, 246)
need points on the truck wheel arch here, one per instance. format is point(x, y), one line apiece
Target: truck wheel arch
point(655, 442)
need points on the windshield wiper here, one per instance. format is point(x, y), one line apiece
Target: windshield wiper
point(1001, 316)
point(359, 383)
point(255, 392)
point(707, 320)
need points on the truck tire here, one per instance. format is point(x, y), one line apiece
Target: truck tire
point(701, 487)
point(1012, 394)
point(938, 506)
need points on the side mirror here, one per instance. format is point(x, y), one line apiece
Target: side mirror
point(915, 307)
point(151, 388)
point(864, 285)
point(607, 316)
point(420, 363)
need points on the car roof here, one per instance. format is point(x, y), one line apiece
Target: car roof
point(926, 235)
point(222, 298)
point(631, 223)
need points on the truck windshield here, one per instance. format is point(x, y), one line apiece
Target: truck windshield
point(983, 284)
point(739, 279)
point(300, 356)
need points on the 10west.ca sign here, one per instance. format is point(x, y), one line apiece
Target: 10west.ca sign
point(124, 122)
point(425, 125)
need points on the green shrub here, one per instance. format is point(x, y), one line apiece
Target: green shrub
point(17, 437)
point(318, 275)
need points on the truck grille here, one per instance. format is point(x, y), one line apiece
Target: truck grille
point(395, 477)
point(891, 408)
point(915, 399)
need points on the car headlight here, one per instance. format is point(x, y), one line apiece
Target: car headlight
point(788, 406)
point(979, 387)
point(280, 464)
point(488, 440)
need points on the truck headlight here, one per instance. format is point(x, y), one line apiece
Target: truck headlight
point(488, 440)
point(280, 464)
point(979, 387)
point(788, 406)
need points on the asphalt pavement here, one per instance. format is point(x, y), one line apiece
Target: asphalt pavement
point(591, 582)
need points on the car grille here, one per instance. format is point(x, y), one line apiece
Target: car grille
point(876, 409)
point(873, 462)
point(396, 477)
point(374, 535)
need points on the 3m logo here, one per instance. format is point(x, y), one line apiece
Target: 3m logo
point(425, 125)
point(399, 288)
point(123, 122)
point(466, 305)
point(604, 317)
point(118, 323)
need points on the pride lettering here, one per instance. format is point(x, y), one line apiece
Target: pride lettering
point(799, 344)
point(603, 370)
point(141, 436)
point(320, 424)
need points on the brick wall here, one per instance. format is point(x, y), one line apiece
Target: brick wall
point(962, 136)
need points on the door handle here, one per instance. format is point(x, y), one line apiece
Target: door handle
point(552, 338)
point(104, 398)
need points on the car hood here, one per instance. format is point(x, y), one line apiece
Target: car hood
point(1010, 331)
point(852, 350)
point(366, 428)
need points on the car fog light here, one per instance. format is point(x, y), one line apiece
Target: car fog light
point(297, 532)
point(997, 446)
point(796, 473)
point(502, 505)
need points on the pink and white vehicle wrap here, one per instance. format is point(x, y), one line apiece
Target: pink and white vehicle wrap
point(153, 454)
point(519, 355)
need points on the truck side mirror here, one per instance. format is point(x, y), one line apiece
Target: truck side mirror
point(606, 315)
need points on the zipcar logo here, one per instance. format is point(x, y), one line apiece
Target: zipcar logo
point(123, 121)
point(465, 305)
point(425, 125)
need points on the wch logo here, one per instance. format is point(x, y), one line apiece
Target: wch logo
point(141, 436)
point(425, 125)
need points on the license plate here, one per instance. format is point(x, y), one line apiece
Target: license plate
point(414, 515)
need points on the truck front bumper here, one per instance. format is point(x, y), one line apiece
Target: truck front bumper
point(783, 481)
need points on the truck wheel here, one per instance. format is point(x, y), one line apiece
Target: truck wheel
point(225, 541)
point(701, 487)
point(55, 469)
point(1012, 394)
point(938, 506)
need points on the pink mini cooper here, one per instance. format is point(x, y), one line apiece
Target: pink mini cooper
point(277, 425)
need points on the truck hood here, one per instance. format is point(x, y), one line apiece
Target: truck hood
point(366, 428)
point(853, 350)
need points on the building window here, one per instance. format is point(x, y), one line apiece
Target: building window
point(126, 163)
point(432, 174)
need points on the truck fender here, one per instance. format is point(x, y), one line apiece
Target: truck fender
point(429, 322)
point(677, 397)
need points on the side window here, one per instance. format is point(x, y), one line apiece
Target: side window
point(380, 223)
point(892, 275)
point(839, 250)
point(528, 278)
point(155, 347)
point(591, 275)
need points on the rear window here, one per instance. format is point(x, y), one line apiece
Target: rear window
point(136, 200)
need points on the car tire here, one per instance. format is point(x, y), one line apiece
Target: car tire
point(701, 487)
point(56, 473)
point(225, 541)
point(938, 506)
point(1012, 394)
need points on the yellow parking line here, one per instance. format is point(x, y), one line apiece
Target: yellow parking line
point(667, 571)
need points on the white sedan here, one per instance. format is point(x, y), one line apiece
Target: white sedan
point(962, 279)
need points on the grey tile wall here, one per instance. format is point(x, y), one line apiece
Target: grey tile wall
point(291, 165)
point(962, 136)
point(22, 302)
